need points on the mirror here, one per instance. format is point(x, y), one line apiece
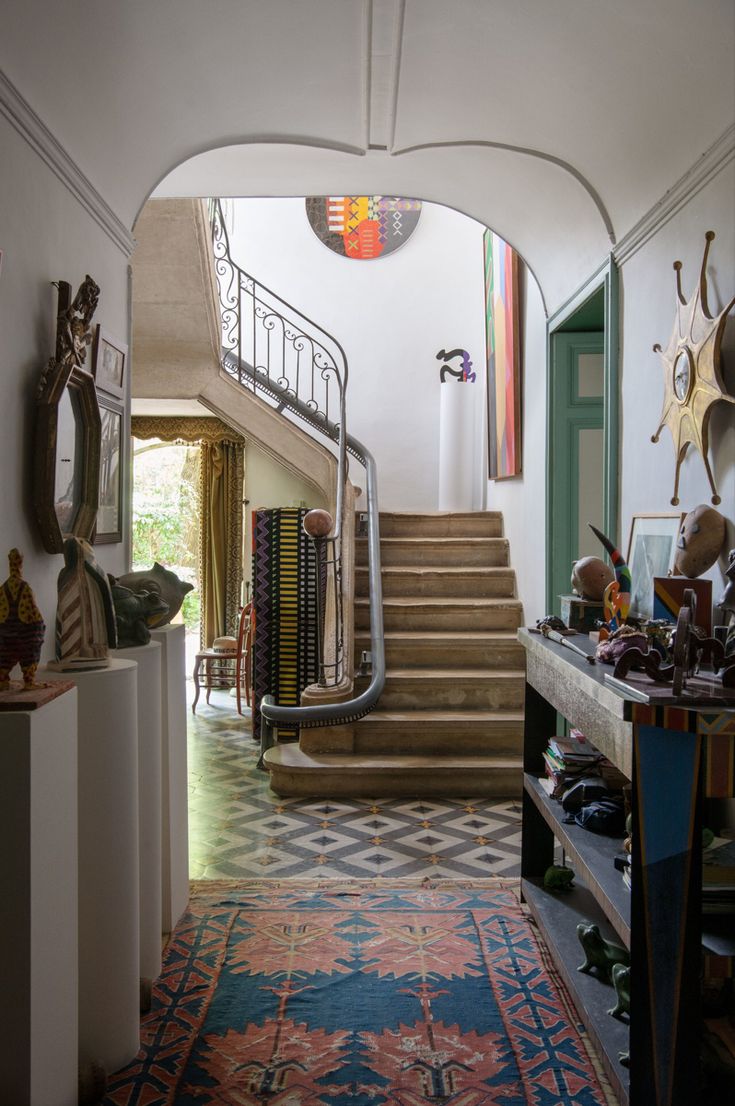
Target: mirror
point(68, 436)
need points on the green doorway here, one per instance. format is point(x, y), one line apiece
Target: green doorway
point(582, 463)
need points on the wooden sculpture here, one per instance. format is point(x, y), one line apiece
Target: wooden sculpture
point(21, 626)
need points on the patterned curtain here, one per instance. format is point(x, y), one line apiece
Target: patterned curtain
point(221, 471)
point(220, 543)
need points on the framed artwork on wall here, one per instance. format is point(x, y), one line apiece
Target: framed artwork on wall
point(651, 552)
point(109, 514)
point(108, 363)
point(502, 336)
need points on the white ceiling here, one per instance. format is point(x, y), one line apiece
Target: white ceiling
point(559, 122)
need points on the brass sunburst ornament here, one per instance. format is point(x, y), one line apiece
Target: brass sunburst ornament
point(692, 379)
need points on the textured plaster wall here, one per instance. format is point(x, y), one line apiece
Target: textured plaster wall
point(647, 316)
point(392, 315)
point(45, 235)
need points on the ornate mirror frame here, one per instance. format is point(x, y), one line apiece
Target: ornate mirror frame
point(66, 376)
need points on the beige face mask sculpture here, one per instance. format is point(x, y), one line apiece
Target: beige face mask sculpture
point(701, 538)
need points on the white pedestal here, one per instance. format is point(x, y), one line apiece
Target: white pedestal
point(148, 658)
point(38, 918)
point(175, 791)
point(109, 956)
point(458, 454)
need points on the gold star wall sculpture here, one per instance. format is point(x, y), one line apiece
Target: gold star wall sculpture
point(692, 379)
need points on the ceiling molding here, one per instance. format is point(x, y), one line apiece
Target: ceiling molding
point(28, 125)
point(701, 173)
point(528, 152)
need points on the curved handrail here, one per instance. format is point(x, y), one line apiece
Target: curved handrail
point(280, 378)
point(332, 714)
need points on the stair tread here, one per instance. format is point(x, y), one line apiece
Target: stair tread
point(437, 540)
point(448, 570)
point(451, 714)
point(291, 756)
point(441, 514)
point(429, 673)
point(443, 601)
point(471, 636)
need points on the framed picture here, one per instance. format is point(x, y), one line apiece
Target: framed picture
point(651, 552)
point(109, 361)
point(502, 336)
point(109, 513)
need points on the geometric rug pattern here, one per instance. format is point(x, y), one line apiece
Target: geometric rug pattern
point(239, 829)
point(342, 995)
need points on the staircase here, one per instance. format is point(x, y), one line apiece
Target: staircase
point(450, 719)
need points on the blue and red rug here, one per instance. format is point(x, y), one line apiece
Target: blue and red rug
point(349, 995)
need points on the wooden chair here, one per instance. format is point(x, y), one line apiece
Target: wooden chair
point(217, 668)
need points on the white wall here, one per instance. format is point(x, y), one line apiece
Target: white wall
point(647, 316)
point(392, 315)
point(523, 499)
point(45, 235)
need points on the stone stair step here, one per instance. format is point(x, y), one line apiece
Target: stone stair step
point(440, 733)
point(443, 614)
point(441, 524)
point(461, 649)
point(433, 688)
point(441, 552)
point(293, 772)
point(453, 581)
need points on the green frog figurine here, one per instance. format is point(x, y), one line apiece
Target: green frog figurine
point(598, 952)
point(559, 879)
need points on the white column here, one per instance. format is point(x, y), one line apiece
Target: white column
point(38, 917)
point(148, 658)
point(175, 788)
point(458, 451)
point(109, 947)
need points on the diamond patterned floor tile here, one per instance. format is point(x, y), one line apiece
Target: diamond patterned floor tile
point(238, 829)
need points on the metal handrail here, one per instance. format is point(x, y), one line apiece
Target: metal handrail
point(279, 378)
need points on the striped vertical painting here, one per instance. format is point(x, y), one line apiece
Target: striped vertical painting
point(502, 335)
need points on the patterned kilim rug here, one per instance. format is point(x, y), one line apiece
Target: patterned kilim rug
point(358, 995)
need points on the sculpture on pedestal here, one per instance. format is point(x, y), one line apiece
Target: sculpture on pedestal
point(21, 626)
point(85, 616)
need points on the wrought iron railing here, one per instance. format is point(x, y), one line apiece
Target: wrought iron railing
point(274, 350)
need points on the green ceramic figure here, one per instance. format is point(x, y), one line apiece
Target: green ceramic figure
point(621, 982)
point(559, 879)
point(599, 953)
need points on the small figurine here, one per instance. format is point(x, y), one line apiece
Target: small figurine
point(726, 602)
point(621, 982)
point(85, 616)
point(590, 577)
point(558, 879)
point(163, 582)
point(134, 612)
point(21, 626)
point(598, 952)
point(617, 593)
point(701, 538)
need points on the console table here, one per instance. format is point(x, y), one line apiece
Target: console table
point(674, 757)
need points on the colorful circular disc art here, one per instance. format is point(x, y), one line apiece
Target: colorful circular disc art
point(363, 227)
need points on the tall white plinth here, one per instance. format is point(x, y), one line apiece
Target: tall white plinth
point(109, 946)
point(458, 451)
point(38, 916)
point(148, 658)
point(175, 791)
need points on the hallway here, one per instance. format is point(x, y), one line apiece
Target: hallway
point(238, 829)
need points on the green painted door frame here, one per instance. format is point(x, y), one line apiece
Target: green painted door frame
point(602, 284)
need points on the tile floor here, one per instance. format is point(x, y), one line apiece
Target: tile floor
point(239, 829)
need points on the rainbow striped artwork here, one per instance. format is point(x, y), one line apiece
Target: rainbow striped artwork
point(502, 336)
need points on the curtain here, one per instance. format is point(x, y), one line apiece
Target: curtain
point(220, 543)
point(221, 467)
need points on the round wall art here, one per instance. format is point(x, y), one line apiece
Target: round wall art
point(363, 227)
